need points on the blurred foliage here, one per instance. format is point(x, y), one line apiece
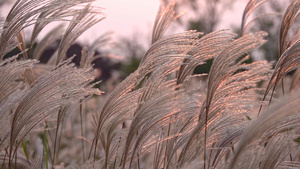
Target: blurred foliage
point(16, 51)
point(205, 68)
point(271, 24)
point(129, 66)
point(3, 2)
point(209, 17)
point(133, 50)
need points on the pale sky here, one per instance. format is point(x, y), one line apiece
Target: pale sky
point(125, 17)
point(128, 17)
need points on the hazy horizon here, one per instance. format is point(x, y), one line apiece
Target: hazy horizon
point(128, 18)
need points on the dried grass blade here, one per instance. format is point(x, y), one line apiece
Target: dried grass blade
point(220, 68)
point(285, 107)
point(47, 95)
point(290, 16)
point(226, 91)
point(170, 49)
point(250, 7)
point(51, 37)
point(80, 23)
point(164, 17)
point(288, 61)
point(207, 47)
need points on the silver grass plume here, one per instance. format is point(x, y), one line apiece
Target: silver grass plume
point(289, 19)
point(250, 7)
point(279, 122)
point(289, 49)
point(221, 69)
point(204, 51)
point(171, 47)
point(296, 81)
point(53, 91)
point(166, 106)
point(152, 110)
point(91, 163)
point(151, 86)
point(287, 62)
point(60, 11)
point(152, 91)
point(164, 17)
point(82, 21)
point(171, 50)
point(51, 37)
point(166, 54)
point(162, 52)
point(291, 14)
point(11, 85)
point(228, 89)
point(289, 164)
point(25, 13)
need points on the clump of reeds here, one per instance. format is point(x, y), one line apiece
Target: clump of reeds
point(161, 115)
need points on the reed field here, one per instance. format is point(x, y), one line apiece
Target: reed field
point(244, 113)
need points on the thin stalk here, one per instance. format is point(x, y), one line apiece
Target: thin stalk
point(115, 162)
point(81, 129)
point(59, 139)
point(138, 162)
point(24, 146)
point(205, 136)
point(16, 160)
point(45, 148)
point(2, 166)
point(165, 159)
point(282, 84)
point(55, 138)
